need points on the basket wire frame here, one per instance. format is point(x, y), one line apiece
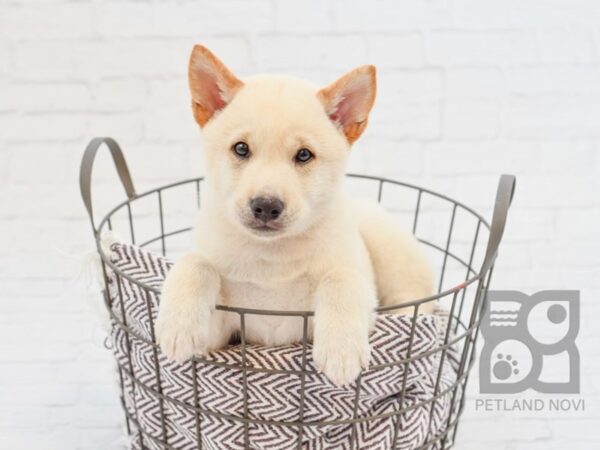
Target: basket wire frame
point(464, 313)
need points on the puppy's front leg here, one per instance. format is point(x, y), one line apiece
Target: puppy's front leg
point(343, 318)
point(187, 323)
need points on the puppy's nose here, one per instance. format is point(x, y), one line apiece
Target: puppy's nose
point(266, 208)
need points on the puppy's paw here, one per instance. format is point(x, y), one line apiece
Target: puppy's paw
point(183, 334)
point(341, 357)
point(186, 315)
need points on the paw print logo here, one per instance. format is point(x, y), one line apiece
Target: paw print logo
point(505, 367)
point(526, 335)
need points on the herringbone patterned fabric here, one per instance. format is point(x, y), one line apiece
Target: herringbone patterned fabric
point(210, 415)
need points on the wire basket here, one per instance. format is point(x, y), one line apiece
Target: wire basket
point(460, 242)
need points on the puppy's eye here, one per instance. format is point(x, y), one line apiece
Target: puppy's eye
point(303, 155)
point(241, 149)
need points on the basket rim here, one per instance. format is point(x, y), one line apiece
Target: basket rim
point(473, 276)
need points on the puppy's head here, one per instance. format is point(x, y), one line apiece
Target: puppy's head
point(276, 147)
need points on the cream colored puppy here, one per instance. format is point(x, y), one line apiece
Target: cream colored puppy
point(275, 230)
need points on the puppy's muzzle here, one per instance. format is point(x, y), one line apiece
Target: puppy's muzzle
point(266, 209)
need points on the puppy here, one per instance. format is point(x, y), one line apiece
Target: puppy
point(276, 231)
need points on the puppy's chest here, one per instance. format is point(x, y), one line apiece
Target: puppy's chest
point(271, 294)
point(292, 295)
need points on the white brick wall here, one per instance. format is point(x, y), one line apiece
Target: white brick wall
point(469, 89)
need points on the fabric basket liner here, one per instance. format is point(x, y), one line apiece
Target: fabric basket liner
point(273, 397)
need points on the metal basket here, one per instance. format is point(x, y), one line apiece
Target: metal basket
point(464, 298)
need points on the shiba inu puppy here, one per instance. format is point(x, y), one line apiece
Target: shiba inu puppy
point(276, 230)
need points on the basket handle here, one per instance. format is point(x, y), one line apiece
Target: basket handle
point(85, 172)
point(504, 196)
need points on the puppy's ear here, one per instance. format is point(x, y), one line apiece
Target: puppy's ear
point(212, 84)
point(349, 100)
